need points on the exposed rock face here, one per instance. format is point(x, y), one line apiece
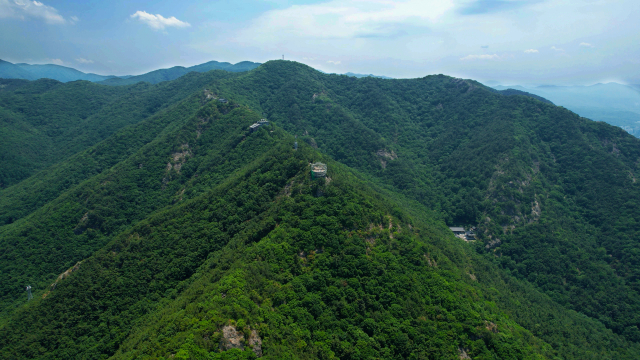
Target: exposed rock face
point(62, 276)
point(69, 271)
point(386, 154)
point(233, 339)
point(256, 343)
point(491, 326)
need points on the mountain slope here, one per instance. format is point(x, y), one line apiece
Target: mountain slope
point(203, 229)
point(45, 121)
point(316, 268)
point(613, 103)
point(523, 171)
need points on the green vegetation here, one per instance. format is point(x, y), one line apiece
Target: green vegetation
point(45, 121)
point(183, 233)
point(543, 185)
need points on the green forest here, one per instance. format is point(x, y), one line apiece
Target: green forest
point(152, 223)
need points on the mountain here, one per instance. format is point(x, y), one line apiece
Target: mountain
point(175, 72)
point(48, 71)
point(509, 92)
point(67, 74)
point(535, 178)
point(60, 73)
point(11, 71)
point(45, 121)
point(613, 103)
point(187, 235)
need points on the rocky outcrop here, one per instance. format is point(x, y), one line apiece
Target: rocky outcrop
point(256, 343)
point(234, 339)
point(231, 338)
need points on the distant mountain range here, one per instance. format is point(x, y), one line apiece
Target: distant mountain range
point(612, 103)
point(65, 74)
point(50, 71)
point(175, 72)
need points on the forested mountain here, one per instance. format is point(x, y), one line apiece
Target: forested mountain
point(613, 103)
point(43, 122)
point(182, 234)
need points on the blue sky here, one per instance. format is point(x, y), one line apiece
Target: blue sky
point(509, 41)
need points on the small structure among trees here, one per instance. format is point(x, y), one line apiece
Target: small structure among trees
point(318, 170)
point(467, 235)
point(257, 125)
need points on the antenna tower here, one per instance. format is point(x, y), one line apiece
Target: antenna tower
point(29, 296)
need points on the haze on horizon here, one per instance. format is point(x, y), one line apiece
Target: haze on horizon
point(508, 41)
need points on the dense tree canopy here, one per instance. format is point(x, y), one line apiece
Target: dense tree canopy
point(171, 230)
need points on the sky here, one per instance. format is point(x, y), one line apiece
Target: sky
point(527, 42)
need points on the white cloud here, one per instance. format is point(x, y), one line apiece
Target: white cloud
point(158, 22)
point(333, 62)
point(531, 51)
point(481, 57)
point(84, 61)
point(23, 9)
point(344, 19)
point(56, 61)
point(556, 49)
point(584, 44)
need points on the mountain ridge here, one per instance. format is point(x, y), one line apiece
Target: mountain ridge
point(66, 74)
point(613, 103)
point(204, 226)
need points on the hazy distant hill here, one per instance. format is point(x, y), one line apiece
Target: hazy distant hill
point(60, 73)
point(175, 72)
point(612, 103)
point(65, 74)
point(365, 75)
point(12, 71)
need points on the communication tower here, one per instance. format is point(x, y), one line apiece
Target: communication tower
point(29, 296)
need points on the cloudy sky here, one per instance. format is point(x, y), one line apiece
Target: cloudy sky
point(510, 41)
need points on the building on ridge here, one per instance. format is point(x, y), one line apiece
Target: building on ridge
point(318, 170)
point(257, 125)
